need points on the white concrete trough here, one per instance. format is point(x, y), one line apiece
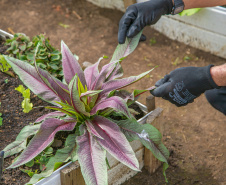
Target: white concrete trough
point(205, 30)
point(4, 35)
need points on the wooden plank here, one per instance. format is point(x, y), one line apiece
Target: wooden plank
point(150, 162)
point(121, 173)
point(72, 175)
point(150, 103)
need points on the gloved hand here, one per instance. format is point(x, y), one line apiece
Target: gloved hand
point(139, 15)
point(184, 84)
point(217, 98)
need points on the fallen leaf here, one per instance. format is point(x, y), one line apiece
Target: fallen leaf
point(64, 25)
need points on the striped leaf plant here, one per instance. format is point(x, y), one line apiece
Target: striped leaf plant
point(84, 103)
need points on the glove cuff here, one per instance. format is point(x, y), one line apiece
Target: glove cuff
point(169, 6)
point(208, 82)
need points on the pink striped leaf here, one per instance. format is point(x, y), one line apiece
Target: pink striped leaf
point(54, 84)
point(42, 139)
point(115, 142)
point(21, 140)
point(126, 96)
point(90, 93)
point(147, 134)
point(75, 98)
point(91, 73)
point(70, 65)
point(100, 79)
point(120, 83)
point(62, 155)
point(114, 102)
point(50, 115)
point(91, 158)
point(116, 73)
point(91, 129)
point(32, 80)
point(123, 50)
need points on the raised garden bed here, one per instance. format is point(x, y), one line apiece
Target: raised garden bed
point(125, 173)
point(70, 174)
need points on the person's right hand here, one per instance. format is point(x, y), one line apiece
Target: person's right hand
point(139, 15)
point(184, 84)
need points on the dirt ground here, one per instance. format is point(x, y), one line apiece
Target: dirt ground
point(195, 134)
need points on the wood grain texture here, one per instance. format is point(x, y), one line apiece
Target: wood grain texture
point(72, 175)
point(150, 162)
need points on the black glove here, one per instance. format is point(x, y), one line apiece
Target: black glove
point(142, 38)
point(139, 15)
point(184, 84)
point(217, 98)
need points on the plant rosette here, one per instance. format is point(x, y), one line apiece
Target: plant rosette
point(86, 104)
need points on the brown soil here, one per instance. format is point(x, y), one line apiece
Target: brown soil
point(194, 134)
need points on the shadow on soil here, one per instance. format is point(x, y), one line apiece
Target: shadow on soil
point(175, 176)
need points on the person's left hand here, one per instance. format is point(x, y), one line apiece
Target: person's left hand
point(183, 85)
point(139, 15)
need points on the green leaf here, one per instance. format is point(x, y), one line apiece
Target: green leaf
point(22, 47)
point(41, 65)
point(105, 57)
point(22, 57)
point(123, 50)
point(54, 66)
point(16, 51)
point(57, 165)
point(148, 135)
point(55, 53)
point(21, 140)
point(165, 166)
point(55, 57)
point(81, 89)
point(29, 44)
point(48, 150)
point(1, 119)
point(64, 25)
point(26, 105)
point(190, 12)
point(4, 66)
point(30, 163)
point(30, 56)
point(109, 167)
point(68, 109)
point(20, 88)
point(62, 156)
